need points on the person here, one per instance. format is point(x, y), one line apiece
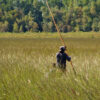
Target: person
point(62, 57)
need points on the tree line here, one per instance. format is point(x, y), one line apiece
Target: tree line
point(34, 16)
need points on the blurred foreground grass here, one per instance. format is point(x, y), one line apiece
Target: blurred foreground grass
point(26, 71)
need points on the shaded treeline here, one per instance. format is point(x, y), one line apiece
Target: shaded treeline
point(33, 15)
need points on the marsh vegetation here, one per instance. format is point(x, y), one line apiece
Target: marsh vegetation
point(26, 71)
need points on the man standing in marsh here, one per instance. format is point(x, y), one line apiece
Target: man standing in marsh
point(62, 57)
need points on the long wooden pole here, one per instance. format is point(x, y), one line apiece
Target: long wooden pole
point(61, 38)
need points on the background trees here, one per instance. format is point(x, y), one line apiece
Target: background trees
point(33, 15)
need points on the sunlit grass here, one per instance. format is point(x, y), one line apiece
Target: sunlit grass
point(48, 35)
point(26, 71)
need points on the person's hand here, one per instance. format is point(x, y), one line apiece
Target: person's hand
point(65, 47)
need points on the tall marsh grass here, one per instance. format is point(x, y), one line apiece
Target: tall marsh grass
point(26, 71)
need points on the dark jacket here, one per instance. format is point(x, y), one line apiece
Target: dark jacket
point(61, 59)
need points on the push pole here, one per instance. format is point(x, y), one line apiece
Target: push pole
point(61, 38)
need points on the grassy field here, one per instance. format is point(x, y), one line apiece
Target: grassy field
point(26, 71)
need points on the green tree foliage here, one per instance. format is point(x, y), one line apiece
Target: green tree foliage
point(34, 16)
point(15, 27)
point(93, 9)
point(21, 29)
point(95, 25)
point(4, 26)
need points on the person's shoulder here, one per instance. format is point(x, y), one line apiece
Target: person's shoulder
point(57, 54)
point(65, 53)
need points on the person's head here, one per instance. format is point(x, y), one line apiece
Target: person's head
point(62, 48)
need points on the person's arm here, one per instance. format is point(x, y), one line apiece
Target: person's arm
point(68, 57)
